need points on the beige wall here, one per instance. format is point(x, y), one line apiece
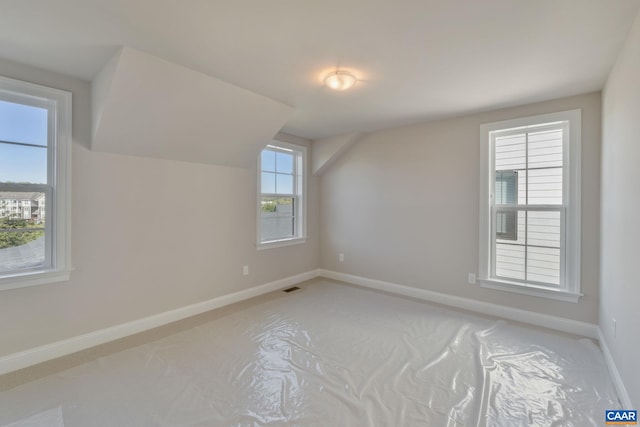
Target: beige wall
point(402, 205)
point(620, 219)
point(134, 254)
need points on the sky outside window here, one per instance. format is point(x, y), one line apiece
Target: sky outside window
point(284, 162)
point(277, 172)
point(23, 124)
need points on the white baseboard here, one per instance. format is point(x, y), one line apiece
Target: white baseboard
point(625, 400)
point(24, 359)
point(552, 322)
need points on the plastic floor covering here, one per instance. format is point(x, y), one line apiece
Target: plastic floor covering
point(331, 355)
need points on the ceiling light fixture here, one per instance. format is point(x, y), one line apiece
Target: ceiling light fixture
point(340, 80)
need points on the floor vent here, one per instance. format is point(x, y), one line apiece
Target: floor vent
point(295, 288)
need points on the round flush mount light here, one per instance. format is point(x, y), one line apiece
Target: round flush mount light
point(340, 80)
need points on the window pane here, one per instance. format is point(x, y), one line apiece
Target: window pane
point(510, 261)
point(284, 162)
point(540, 247)
point(543, 265)
point(19, 206)
point(285, 227)
point(268, 229)
point(506, 191)
point(276, 218)
point(268, 206)
point(545, 186)
point(284, 184)
point(23, 164)
point(272, 207)
point(23, 123)
point(510, 152)
point(510, 226)
point(285, 206)
point(275, 228)
point(506, 225)
point(268, 183)
point(545, 149)
point(268, 160)
point(522, 187)
point(543, 228)
point(22, 222)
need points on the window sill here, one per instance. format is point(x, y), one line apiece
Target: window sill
point(532, 290)
point(33, 279)
point(281, 243)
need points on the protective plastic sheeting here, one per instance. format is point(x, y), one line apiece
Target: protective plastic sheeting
point(334, 355)
point(50, 418)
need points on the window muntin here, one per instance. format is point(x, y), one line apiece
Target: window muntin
point(281, 193)
point(530, 203)
point(34, 200)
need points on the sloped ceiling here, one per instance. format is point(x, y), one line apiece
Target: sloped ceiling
point(328, 150)
point(147, 106)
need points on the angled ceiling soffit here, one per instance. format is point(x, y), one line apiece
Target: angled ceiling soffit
point(327, 150)
point(146, 106)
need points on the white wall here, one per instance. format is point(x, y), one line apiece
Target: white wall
point(134, 254)
point(402, 205)
point(620, 226)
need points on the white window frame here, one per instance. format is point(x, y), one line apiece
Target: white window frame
point(569, 289)
point(300, 188)
point(58, 188)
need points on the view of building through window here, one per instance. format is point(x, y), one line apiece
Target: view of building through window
point(528, 203)
point(23, 186)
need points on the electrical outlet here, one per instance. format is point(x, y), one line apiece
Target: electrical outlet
point(341, 257)
point(245, 270)
point(472, 278)
point(614, 321)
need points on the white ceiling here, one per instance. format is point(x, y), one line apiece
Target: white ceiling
point(417, 59)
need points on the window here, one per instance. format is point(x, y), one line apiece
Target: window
point(530, 206)
point(35, 154)
point(281, 203)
